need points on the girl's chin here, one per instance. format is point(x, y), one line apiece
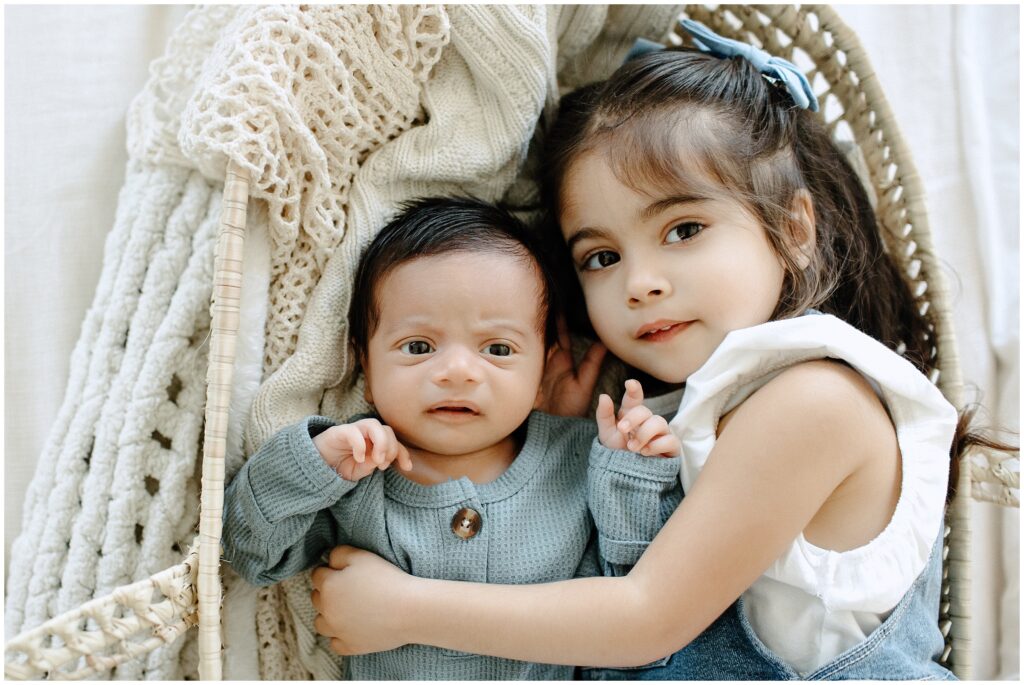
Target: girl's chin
point(658, 382)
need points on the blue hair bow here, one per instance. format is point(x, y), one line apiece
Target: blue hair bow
point(773, 67)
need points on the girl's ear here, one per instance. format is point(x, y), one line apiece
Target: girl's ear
point(802, 228)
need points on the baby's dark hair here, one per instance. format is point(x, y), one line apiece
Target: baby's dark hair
point(434, 226)
point(671, 118)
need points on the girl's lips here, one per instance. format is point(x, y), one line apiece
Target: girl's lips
point(662, 331)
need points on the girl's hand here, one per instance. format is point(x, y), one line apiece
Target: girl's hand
point(566, 390)
point(635, 428)
point(345, 449)
point(359, 602)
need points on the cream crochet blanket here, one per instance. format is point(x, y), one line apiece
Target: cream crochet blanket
point(339, 113)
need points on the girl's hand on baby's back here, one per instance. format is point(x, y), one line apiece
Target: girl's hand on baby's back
point(635, 427)
point(566, 388)
point(355, 450)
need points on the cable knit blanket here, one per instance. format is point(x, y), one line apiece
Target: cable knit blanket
point(339, 113)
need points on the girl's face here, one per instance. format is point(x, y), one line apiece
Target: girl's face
point(665, 276)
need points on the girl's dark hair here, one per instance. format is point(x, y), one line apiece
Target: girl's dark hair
point(430, 227)
point(679, 118)
point(672, 118)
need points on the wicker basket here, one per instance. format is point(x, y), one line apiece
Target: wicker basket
point(137, 618)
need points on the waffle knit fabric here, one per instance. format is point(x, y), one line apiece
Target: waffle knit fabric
point(536, 522)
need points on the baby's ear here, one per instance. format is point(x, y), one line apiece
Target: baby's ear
point(360, 358)
point(802, 231)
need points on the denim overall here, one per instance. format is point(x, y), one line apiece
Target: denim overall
point(905, 647)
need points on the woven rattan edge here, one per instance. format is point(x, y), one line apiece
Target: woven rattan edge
point(96, 627)
point(226, 315)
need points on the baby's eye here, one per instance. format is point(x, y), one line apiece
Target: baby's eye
point(684, 231)
point(498, 350)
point(417, 347)
point(600, 260)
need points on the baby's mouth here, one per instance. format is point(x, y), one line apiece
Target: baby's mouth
point(455, 409)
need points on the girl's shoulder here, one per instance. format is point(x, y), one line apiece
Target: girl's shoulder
point(821, 416)
point(825, 396)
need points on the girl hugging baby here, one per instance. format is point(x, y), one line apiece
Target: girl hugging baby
point(726, 249)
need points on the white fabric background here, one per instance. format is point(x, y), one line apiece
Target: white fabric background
point(951, 74)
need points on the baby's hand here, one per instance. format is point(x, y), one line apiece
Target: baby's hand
point(636, 428)
point(345, 449)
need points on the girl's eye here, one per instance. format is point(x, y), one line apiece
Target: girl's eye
point(498, 350)
point(600, 260)
point(684, 231)
point(417, 347)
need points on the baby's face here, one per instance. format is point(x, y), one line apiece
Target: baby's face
point(455, 363)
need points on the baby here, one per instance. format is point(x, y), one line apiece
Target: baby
point(451, 322)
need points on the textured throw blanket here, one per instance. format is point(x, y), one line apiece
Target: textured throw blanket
point(339, 113)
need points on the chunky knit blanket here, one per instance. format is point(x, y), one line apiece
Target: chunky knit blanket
point(339, 113)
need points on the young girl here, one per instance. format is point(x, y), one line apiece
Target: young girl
point(722, 241)
point(451, 323)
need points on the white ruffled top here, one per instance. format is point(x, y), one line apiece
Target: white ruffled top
point(812, 604)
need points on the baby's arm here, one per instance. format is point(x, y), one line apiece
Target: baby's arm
point(631, 496)
point(276, 522)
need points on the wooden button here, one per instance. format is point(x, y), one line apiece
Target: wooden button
point(466, 523)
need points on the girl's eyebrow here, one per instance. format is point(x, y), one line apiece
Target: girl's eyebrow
point(649, 212)
point(658, 206)
point(584, 234)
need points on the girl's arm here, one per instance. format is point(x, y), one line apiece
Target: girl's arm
point(781, 455)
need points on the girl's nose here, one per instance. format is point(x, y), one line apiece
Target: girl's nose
point(646, 286)
point(456, 366)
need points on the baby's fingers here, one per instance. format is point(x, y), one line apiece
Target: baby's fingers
point(392, 445)
point(632, 398)
point(336, 442)
point(605, 414)
point(631, 421)
point(404, 460)
point(350, 437)
point(650, 428)
point(664, 446)
point(378, 437)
